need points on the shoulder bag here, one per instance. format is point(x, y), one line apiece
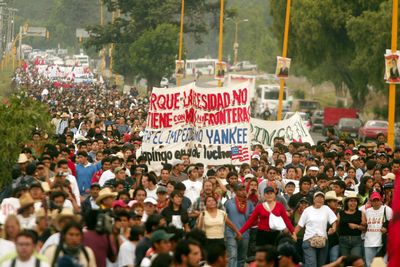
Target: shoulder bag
point(276, 223)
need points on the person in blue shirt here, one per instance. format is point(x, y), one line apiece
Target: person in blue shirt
point(85, 171)
point(238, 210)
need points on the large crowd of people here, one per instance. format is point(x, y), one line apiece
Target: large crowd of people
point(85, 196)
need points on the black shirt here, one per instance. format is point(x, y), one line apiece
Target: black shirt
point(345, 219)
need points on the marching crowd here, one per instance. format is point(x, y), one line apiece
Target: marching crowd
point(89, 198)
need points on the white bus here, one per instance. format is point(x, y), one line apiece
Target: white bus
point(205, 66)
point(268, 96)
point(81, 60)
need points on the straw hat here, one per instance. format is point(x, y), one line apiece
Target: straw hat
point(64, 115)
point(331, 195)
point(349, 195)
point(22, 158)
point(65, 213)
point(105, 193)
point(26, 200)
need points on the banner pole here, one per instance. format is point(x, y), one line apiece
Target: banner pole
point(178, 80)
point(392, 86)
point(221, 32)
point(284, 54)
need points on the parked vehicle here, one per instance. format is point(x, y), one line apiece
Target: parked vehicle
point(317, 120)
point(372, 128)
point(304, 117)
point(333, 115)
point(304, 105)
point(348, 127)
point(268, 96)
point(243, 66)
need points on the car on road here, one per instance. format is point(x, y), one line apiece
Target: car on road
point(371, 129)
point(317, 120)
point(348, 127)
point(304, 117)
point(243, 66)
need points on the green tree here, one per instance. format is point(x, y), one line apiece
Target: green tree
point(139, 23)
point(151, 56)
point(19, 117)
point(324, 46)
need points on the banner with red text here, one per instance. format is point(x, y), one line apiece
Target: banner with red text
point(212, 125)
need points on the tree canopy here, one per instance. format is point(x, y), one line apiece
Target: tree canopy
point(338, 40)
point(143, 22)
point(20, 116)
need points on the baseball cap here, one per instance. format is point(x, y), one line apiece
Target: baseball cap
point(390, 176)
point(348, 152)
point(269, 189)
point(150, 200)
point(354, 157)
point(314, 168)
point(118, 169)
point(375, 195)
point(119, 203)
point(161, 190)
point(319, 193)
point(160, 235)
point(239, 186)
point(176, 162)
point(249, 176)
point(255, 156)
point(191, 168)
point(290, 183)
point(304, 199)
point(389, 185)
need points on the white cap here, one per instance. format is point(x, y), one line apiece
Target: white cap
point(150, 200)
point(249, 175)
point(176, 162)
point(354, 157)
point(314, 168)
point(389, 176)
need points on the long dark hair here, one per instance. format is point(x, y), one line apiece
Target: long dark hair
point(362, 190)
point(61, 245)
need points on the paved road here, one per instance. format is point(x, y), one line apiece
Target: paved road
point(317, 136)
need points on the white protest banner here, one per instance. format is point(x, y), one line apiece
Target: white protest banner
point(292, 130)
point(212, 125)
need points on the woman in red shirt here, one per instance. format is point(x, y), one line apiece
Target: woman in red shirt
point(265, 235)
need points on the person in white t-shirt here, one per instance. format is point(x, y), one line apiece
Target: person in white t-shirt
point(315, 219)
point(193, 187)
point(377, 217)
point(26, 255)
point(126, 255)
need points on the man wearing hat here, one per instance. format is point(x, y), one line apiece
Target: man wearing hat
point(238, 210)
point(377, 217)
point(150, 207)
point(60, 219)
point(26, 212)
point(62, 124)
point(160, 243)
point(177, 171)
point(105, 198)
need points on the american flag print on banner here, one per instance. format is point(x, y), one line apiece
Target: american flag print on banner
point(240, 153)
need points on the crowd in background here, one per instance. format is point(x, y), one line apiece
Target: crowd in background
point(85, 196)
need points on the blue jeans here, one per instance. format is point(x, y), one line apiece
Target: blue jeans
point(237, 251)
point(334, 253)
point(314, 257)
point(370, 253)
point(350, 245)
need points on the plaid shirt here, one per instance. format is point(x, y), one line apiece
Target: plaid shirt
point(199, 204)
